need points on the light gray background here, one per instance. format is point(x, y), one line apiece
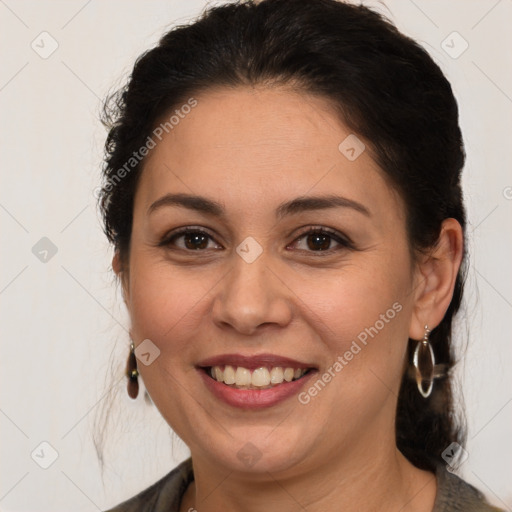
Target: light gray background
point(63, 321)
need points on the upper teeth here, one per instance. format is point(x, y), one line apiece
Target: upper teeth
point(260, 377)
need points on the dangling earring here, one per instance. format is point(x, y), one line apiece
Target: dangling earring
point(132, 373)
point(424, 365)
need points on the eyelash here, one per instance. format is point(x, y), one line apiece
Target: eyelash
point(342, 240)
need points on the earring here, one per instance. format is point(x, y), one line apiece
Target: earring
point(424, 365)
point(132, 373)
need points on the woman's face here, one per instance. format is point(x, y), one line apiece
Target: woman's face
point(255, 288)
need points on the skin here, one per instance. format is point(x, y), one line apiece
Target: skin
point(252, 149)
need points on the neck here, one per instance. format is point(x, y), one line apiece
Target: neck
point(367, 480)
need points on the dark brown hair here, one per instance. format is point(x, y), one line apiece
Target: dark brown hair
point(385, 87)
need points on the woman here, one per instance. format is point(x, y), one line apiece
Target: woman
point(282, 189)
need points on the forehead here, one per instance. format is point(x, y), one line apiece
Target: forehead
point(265, 144)
point(248, 121)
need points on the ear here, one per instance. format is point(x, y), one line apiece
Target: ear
point(122, 274)
point(435, 278)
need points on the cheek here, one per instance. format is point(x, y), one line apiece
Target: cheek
point(362, 313)
point(165, 302)
point(357, 297)
point(362, 317)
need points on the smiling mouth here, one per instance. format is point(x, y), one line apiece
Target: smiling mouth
point(263, 377)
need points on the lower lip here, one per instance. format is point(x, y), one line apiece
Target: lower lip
point(254, 398)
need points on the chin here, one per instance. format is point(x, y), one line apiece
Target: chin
point(260, 450)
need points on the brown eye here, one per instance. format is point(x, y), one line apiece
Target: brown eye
point(193, 240)
point(318, 240)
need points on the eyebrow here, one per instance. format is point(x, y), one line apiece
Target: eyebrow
point(295, 206)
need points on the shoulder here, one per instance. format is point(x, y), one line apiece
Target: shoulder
point(163, 495)
point(454, 494)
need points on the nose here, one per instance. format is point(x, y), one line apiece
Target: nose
point(252, 297)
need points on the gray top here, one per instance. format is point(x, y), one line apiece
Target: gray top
point(453, 493)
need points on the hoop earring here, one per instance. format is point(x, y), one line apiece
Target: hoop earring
point(424, 365)
point(132, 373)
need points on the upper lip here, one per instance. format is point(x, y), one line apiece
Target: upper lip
point(253, 362)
